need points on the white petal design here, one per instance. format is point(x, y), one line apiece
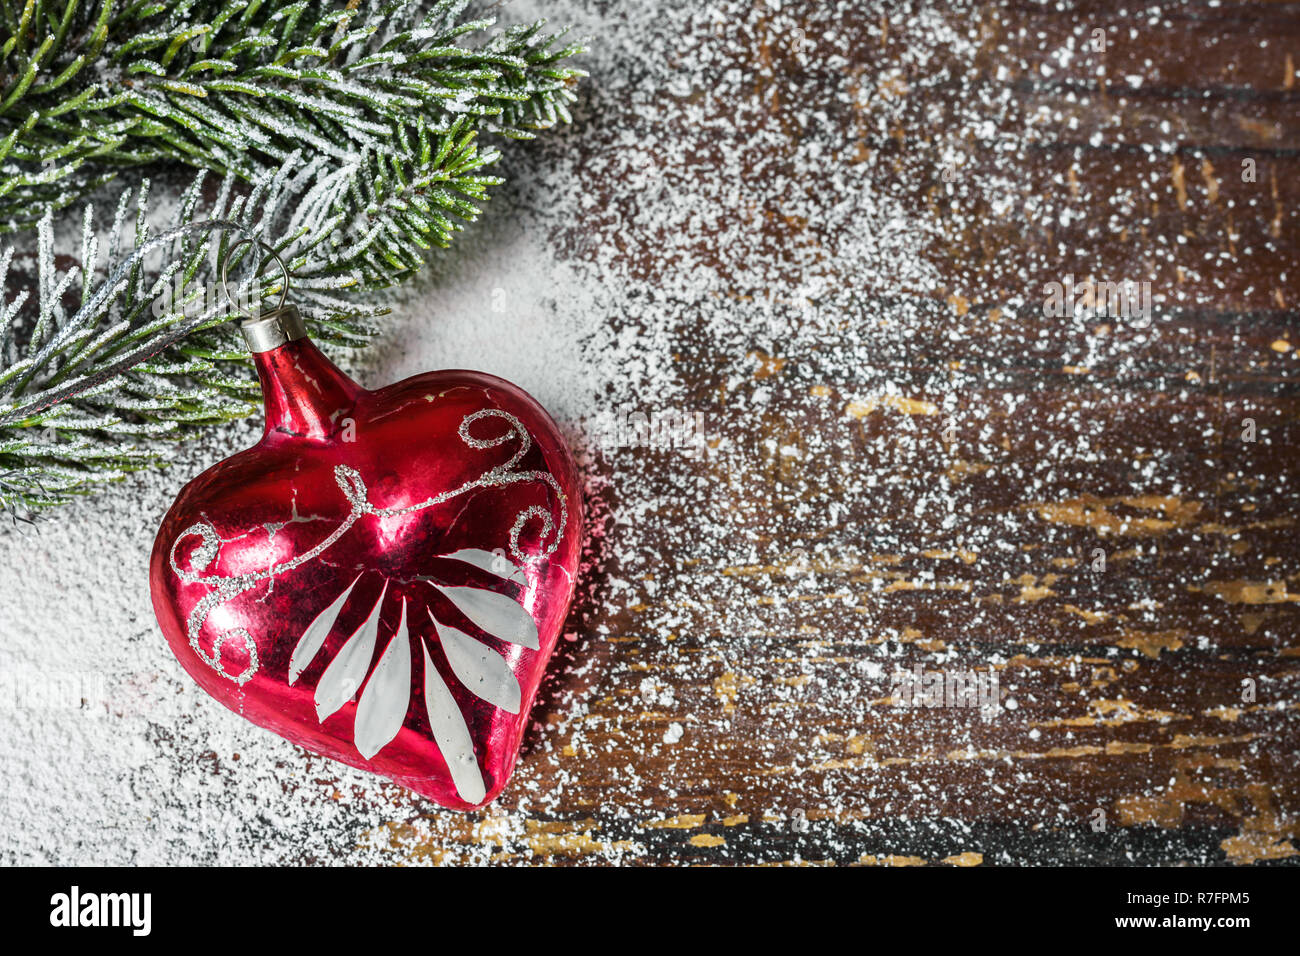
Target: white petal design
point(497, 614)
point(382, 708)
point(451, 735)
point(339, 683)
point(497, 564)
point(314, 637)
point(482, 670)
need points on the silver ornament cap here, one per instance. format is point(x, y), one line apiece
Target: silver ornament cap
point(275, 328)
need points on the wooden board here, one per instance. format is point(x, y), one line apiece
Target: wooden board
point(933, 476)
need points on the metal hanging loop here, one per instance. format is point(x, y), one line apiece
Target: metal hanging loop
point(266, 331)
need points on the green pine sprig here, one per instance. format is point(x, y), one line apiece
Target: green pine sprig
point(236, 86)
point(344, 137)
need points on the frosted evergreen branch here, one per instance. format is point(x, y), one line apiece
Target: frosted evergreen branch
point(238, 85)
point(344, 233)
point(344, 136)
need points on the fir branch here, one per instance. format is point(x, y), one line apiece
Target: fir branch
point(345, 137)
point(235, 86)
point(342, 232)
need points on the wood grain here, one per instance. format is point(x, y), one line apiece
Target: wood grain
point(1002, 465)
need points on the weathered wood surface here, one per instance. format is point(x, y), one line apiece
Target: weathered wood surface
point(1002, 461)
point(923, 473)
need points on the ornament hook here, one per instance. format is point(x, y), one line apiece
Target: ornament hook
point(262, 333)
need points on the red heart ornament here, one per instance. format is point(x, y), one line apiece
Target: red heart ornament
point(383, 577)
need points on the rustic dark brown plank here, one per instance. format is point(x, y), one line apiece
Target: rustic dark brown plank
point(1007, 448)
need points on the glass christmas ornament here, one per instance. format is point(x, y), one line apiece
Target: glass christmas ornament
point(383, 576)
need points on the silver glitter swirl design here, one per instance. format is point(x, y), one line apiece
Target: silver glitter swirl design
point(227, 587)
